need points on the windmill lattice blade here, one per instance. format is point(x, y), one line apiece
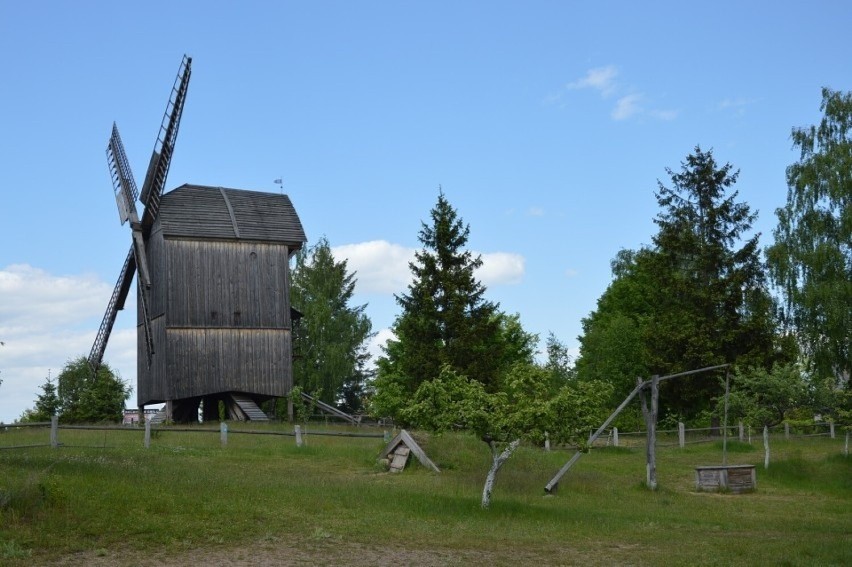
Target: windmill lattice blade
point(158, 169)
point(123, 183)
point(116, 302)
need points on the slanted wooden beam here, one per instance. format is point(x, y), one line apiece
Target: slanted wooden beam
point(404, 437)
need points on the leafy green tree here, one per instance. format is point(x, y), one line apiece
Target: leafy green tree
point(763, 397)
point(559, 364)
point(514, 344)
point(526, 408)
point(697, 297)
point(811, 259)
point(832, 400)
point(613, 346)
point(330, 339)
point(87, 398)
point(445, 318)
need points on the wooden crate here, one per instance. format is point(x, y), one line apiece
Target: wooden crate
point(733, 478)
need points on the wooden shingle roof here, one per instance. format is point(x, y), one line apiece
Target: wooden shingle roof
point(219, 213)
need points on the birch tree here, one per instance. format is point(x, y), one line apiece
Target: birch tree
point(811, 259)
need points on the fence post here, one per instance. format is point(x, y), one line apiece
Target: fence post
point(298, 435)
point(54, 431)
point(846, 447)
point(546, 441)
point(766, 447)
point(615, 437)
point(681, 434)
point(742, 432)
point(650, 415)
point(387, 437)
point(147, 433)
point(786, 431)
point(223, 433)
point(831, 428)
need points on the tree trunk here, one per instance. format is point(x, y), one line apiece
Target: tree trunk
point(496, 462)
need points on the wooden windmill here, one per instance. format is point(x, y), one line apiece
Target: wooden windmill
point(213, 311)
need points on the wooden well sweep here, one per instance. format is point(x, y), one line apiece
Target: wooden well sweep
point(731, 478)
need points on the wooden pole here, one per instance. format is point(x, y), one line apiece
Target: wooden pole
point(299, 436)
point(725, 423)
point(766, 447)
point(681, 434)
point(786, 431)
point(554, 482)
point(846, 447)
point(223, 433)
point(831, 428)
point(649, 412)
point(742, 431)
point(615, 437)
point(54, 431)
point(147, 441)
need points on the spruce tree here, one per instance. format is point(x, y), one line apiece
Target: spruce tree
point(445, 318)
point(698, 297)
point(711, 297)
point(47, 403)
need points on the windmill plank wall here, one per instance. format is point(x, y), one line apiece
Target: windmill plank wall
point(237, 284)
point(209, 361)
point(220, 295)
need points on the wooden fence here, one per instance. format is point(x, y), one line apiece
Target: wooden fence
point(54, 438)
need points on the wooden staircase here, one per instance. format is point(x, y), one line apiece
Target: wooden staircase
point(243, 408)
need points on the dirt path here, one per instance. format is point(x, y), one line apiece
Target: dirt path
point(337, 553)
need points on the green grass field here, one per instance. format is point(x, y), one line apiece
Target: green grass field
point(102, 498)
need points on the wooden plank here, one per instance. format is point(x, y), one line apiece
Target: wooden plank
point(400, 457)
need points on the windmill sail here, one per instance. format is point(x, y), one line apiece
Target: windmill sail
point(126, 194)
point(123, 183)
point(158, 168)
point(116, 304)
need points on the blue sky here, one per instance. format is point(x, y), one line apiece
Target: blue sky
point(547, 124)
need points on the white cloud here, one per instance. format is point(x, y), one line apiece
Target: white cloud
point(665, 115)
point(47, 320)
point(501, 268)
point(626, 107)
point(535, 212)
point(379, 340)
point(382, 267)
point(601, 79)
point(35, 299)
point(571, 273)
point(604, 80)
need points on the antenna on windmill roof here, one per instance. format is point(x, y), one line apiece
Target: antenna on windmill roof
point(280, 183)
